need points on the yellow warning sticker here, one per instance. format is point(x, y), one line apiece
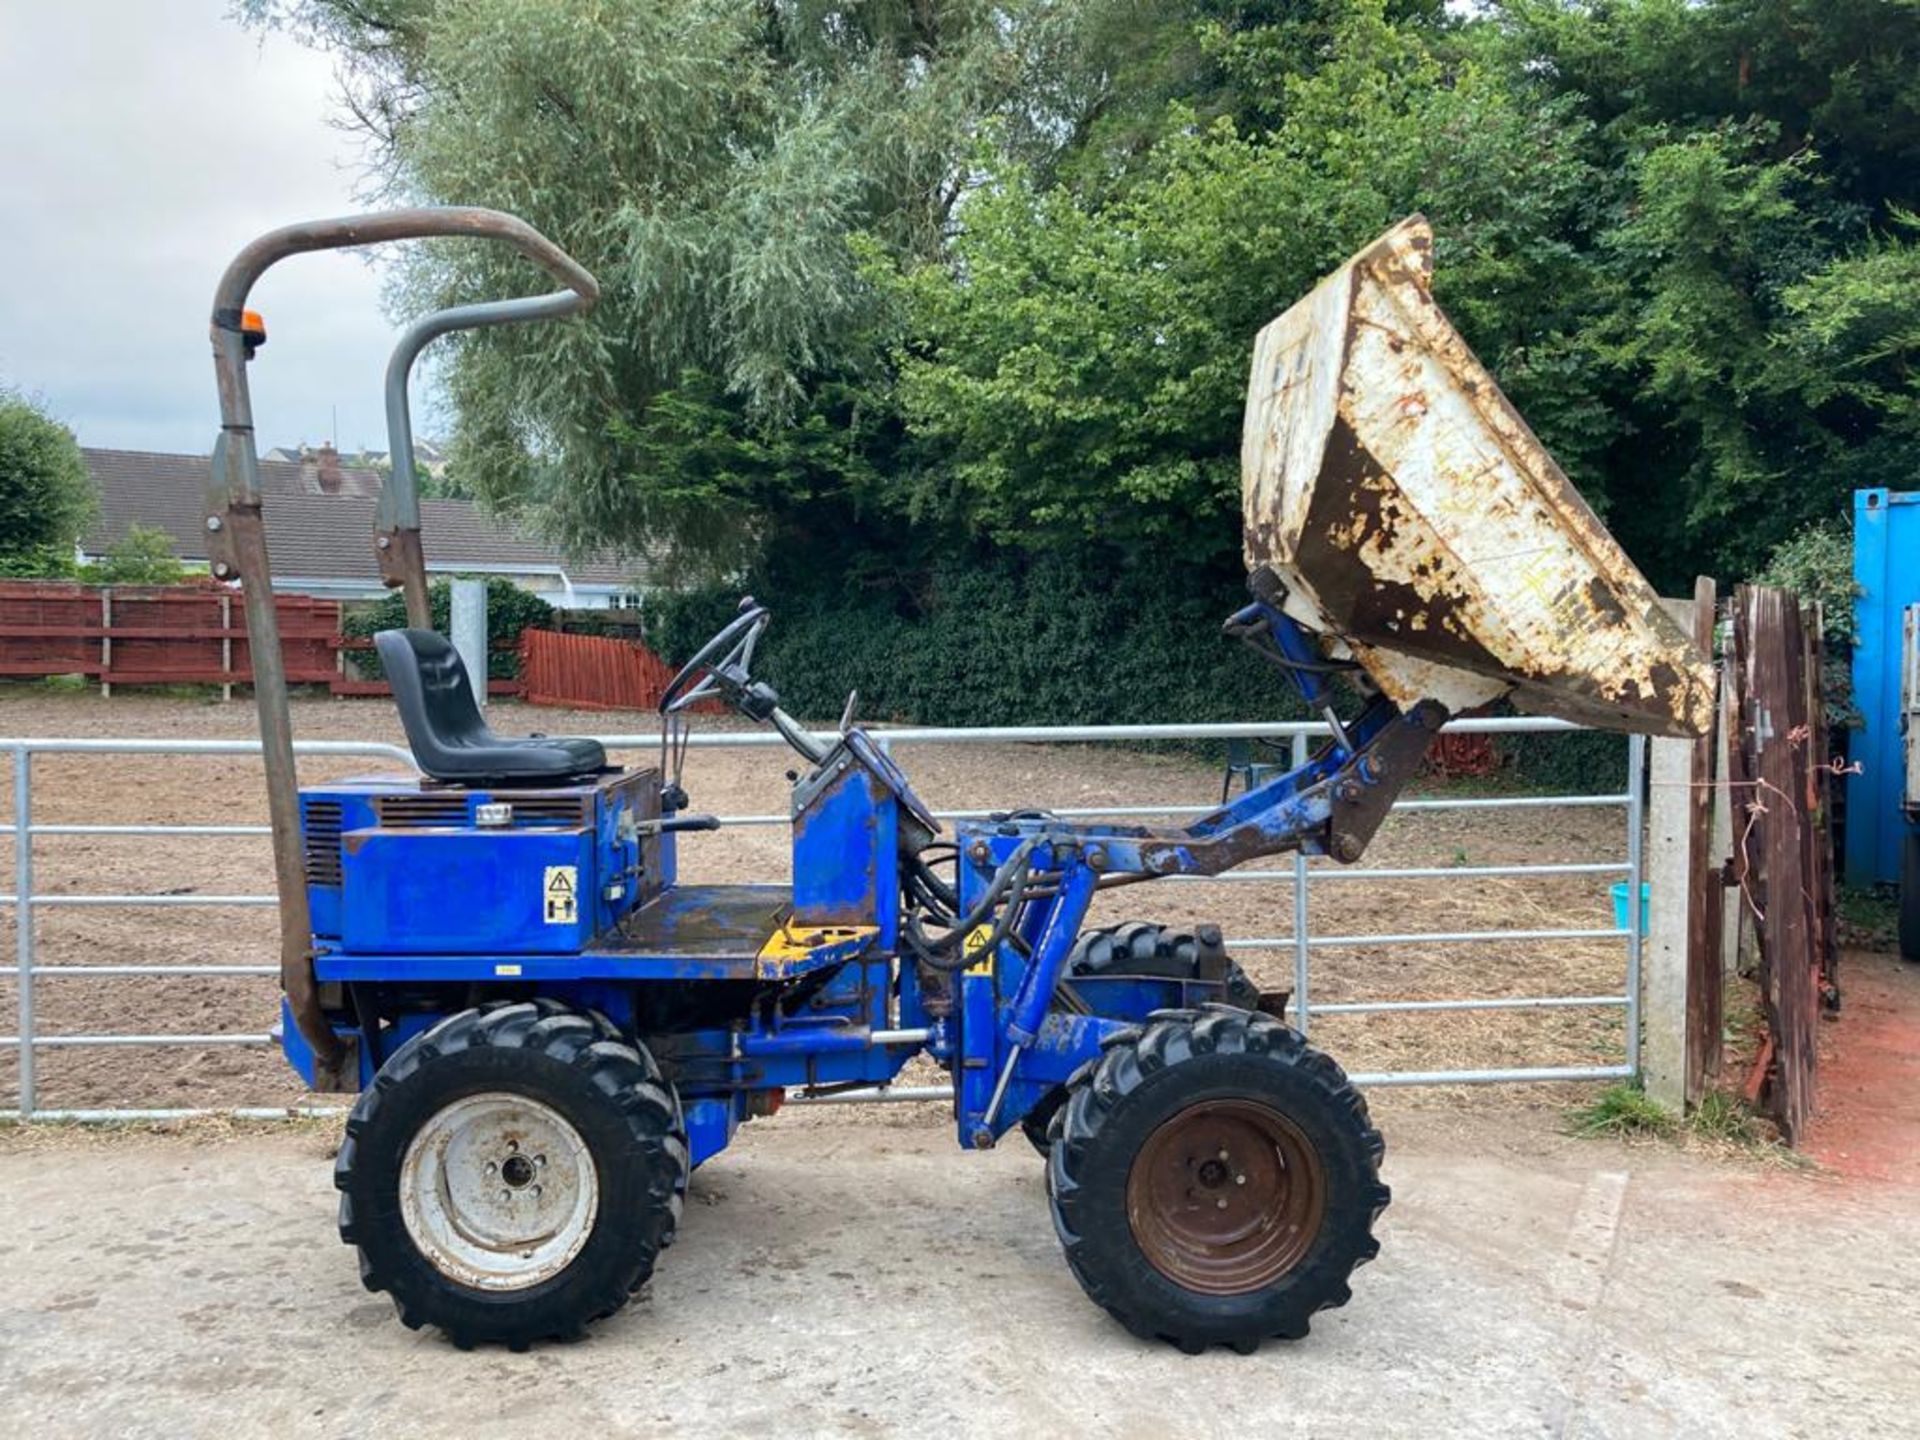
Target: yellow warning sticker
point(563, 894)
point(975, 947)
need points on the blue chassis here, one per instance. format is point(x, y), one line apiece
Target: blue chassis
point(1005, 1044)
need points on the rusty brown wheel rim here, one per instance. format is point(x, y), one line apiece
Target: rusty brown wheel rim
point(1226, 1197)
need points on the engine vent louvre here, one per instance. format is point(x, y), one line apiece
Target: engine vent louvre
point(415, 810)
point(545, 809)
point(320, 824)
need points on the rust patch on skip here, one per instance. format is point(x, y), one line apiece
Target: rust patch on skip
point(1353, 515)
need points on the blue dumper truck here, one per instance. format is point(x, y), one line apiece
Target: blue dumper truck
point(546, 1029)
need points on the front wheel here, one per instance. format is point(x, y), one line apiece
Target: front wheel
point(1214, 1181)
point(512, 1174)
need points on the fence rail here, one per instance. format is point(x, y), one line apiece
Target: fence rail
point(1300, 875)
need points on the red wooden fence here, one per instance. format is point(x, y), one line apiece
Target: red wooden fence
point(197, 635)
point(155, 634)
point(590, 672)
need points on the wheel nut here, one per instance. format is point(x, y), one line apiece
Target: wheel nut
point(1221, 1203)
point(1239, 1179)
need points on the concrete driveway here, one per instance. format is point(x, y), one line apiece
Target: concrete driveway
point(856, 1276)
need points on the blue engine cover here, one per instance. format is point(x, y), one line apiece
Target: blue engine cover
point(397, 869)
point(510, 892)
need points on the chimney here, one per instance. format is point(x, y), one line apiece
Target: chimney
point(327, 473)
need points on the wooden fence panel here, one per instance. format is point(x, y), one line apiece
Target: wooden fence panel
point(591, 672)
point(48, 628)
point(154, 634)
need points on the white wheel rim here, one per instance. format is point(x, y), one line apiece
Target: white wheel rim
point(498, 1191)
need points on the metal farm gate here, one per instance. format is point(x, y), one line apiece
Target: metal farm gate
point(1295, 876)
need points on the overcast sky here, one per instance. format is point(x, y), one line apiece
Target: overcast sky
point(143, 142)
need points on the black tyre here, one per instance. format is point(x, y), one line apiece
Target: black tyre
point(1910, 897)
point(1214, 1181)
point(1142, 948)
point(512, 1174)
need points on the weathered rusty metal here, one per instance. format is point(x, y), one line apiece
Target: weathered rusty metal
point(1417, 521)
point(403, 567)
point(1226, 1197)
point(239, 547)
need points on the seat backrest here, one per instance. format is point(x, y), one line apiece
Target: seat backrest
point(431, 689)
point(451, 740)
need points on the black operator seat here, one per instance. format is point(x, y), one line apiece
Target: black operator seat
point(450, 739)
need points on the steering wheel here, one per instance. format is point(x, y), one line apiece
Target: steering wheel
point(720, 665)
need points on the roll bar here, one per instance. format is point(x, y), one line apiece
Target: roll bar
point(403, 563)
point(237, 544)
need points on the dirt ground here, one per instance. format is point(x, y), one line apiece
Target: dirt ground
point(127, 789)
point(865, 1280)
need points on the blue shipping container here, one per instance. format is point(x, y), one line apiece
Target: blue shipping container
point(1886, 567)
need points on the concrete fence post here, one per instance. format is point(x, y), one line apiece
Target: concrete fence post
point(468, 631)
point(1670, 868)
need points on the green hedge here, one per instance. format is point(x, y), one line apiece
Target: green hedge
point(615, 623)
point(509, 611)
point(1587, 763)
point(989, 638)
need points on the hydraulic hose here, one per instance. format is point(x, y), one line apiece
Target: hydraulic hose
point(948, 953)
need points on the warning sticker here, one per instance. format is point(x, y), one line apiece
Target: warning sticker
point(562, 894)
point(974, 947)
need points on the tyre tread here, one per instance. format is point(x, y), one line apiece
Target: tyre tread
point(1170, 1041)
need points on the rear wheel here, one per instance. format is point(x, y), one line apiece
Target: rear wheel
point(512, 1174)
point(1159, 952)
point(1214, 1181)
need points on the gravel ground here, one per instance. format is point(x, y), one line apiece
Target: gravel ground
point(845, 1271)
point(126, 789)
point(833, 1279)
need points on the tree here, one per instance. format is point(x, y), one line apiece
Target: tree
point(1750, 151)
point(1638, 229)
point(716, 166)
point(909, 305)
point(143, 556)
point(46, 496)
point(1076, 369)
